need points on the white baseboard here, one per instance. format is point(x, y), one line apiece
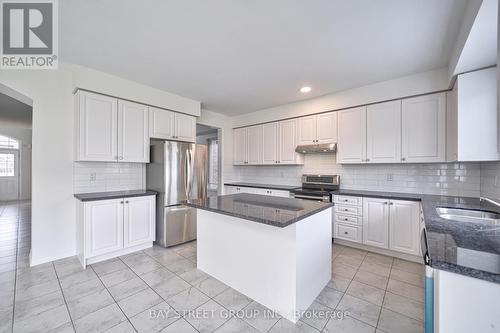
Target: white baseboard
point(39, 261)
point(374, 249)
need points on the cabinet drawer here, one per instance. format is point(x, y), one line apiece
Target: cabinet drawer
point(348, 200)
point(351, 210)
point(348, 232)
point(348, 219)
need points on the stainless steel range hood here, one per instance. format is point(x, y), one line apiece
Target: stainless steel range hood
point(321, 148)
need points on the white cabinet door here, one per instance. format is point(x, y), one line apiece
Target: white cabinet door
point(383, 132)
point(352, 135)
point(326, 127)
point(240, 146)
point(376, 222)
point(97, 127)
point(306, 130)
point(287, 141)
point(103, 227)
point(404, 226)
point(424, 129)
point(133, 134)
point(254, 143)
point(270, 143)
point(184, 127)
point(161, 123)
point(138, 220)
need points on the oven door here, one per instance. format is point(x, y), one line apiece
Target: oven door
point(320, 198)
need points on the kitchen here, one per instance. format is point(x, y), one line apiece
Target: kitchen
point(253, 185)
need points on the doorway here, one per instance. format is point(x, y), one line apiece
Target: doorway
point(210, 136)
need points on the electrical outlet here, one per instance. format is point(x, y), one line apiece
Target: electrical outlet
point(93, 177)
point(390, 177)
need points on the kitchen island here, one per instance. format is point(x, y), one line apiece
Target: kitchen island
point(274, 250)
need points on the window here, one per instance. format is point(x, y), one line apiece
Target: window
point(7, 165)
point(8, 143)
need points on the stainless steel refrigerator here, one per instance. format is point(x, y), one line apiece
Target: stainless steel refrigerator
point(178, 171)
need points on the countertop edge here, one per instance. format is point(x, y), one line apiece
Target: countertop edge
point(270, 186)
point(112, 196)
point(257, 220)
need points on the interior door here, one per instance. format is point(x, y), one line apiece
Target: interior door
point(383, 132)
point(9, 174)
point(376, 222)
point(133, 138)
point(138, 220)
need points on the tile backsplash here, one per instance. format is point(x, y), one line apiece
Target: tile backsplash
point(108, 176)
point(490, 180)
point(461, 179)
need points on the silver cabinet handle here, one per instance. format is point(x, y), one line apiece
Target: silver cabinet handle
point(367, 160)
point(126, 201)
point(346, 210)
point(403, 159)
point(345, 232)
point(385, 203)
point(121, 202)
point(391, 203)
point(346, 219)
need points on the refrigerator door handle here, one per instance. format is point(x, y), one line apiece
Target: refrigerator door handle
point(189, 172)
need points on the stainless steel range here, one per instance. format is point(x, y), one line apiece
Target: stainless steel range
point(317, 187)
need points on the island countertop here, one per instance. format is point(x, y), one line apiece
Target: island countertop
point(274, 211)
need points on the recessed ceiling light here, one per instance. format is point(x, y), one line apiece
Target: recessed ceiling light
point(305, 89)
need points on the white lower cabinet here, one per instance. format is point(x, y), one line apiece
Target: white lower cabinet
point(110, 228)
point(256, 190)
point(387, 224)
point(376, 222)
point(404, 226)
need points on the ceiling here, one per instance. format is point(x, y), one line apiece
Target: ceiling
point(238, 56)
point(14, 113)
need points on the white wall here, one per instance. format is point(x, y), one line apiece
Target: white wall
point(53, 204)
point(225, 123)
point(401, 87)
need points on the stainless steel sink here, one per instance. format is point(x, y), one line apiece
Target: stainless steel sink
point(468, 215)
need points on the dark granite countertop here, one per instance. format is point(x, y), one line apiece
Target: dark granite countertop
point(113, 195)
point(274, 211)
point(269, 186)
point(471, 249)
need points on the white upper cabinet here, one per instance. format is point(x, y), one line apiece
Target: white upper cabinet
point(424, 129)
point(96, 127)
point(326, 128)
point(383, 132)
point(376, 222)
point(240, 141)
point(133, 138)
point(471, 119)
point(306, 130)
point(404, 226)
point(169, 125)
point(270, 143)
point(254, 141)
point(287, 142)
point(320, 128)
point(184, 127)
point(161, 123)
point(352, 135)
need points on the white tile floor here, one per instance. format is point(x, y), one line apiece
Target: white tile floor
point(161, 290)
